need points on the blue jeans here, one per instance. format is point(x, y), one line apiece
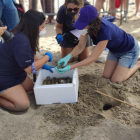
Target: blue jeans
point(8, 14)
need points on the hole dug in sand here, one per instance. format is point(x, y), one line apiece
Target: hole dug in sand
point(107, 107)
point(87, 112)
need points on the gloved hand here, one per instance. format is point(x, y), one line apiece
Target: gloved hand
point(50, 56)
point(59, 38)
point(65, 69)
point(48, 67)
point(64, 60)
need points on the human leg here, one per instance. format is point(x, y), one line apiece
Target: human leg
point(122, 74)
point(23, 4)
point(33, 4)
point(14, 98)
point(110, 65)
point(52, 21)
point(83, 55)
point(125, 4)
point(112, 7)
point(99, 4)
point(128, 64)
point(66, 51)
point(28, 84)
point(137, 3)
point(109, 68)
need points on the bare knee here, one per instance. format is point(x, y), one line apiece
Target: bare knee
point(81, 58)
point(23, 105)
point(83, 55)
point(106, 76)
point(113, 80)
point(71, 60)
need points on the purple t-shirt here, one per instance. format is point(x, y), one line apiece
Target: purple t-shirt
point(119, 40)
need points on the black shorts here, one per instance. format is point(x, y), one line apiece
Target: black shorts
point(8, 82)
point(67, 43)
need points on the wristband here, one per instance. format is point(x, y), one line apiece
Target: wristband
point(33, 68)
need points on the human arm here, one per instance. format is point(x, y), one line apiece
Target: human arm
point(77, 50)
point(80, 47)
point(35, 57)
point(38, 64)
point(59, 28)
point(94, 55)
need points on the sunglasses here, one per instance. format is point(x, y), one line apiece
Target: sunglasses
point(70, 9)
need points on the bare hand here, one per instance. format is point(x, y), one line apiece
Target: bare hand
point(2, 30)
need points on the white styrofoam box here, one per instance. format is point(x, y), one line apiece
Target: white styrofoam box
point(56, 93)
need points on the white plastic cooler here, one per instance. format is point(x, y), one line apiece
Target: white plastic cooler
point(56, 93)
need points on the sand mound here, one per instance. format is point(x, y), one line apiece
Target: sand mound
point(90, 109)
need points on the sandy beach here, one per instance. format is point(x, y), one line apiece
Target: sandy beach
point(86, 119)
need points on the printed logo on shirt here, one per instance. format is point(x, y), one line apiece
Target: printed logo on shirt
point(27, 61)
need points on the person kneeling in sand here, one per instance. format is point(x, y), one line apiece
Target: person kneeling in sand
point(66, 17)
point(17, 58)
point(123, 48)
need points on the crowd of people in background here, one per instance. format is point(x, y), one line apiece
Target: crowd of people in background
point(13, 19)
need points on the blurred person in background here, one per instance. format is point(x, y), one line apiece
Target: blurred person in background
point(66, 17)
point(47, 5)
point(8, 14)
point(30, 4)
point(100, 5)
point(137, 4)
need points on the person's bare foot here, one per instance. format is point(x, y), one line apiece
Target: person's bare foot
point(117, 17)
point(52, 21)
point(137, 14)
point(47, 21)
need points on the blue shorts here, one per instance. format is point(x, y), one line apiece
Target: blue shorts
point(127, 59)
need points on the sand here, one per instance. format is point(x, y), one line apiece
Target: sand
point(87, 119)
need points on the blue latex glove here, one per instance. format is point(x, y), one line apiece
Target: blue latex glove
point(64, 61)
point(106, 49)
point(50, 56)
point(65, 69)
point(48, 67)
point(59, 38)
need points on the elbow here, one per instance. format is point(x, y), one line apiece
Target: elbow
point(29, 72)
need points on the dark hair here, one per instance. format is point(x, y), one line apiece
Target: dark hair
point(29, 25)
point(79, 3)
point(95, 26)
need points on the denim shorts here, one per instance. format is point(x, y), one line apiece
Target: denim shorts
point(127, 59)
